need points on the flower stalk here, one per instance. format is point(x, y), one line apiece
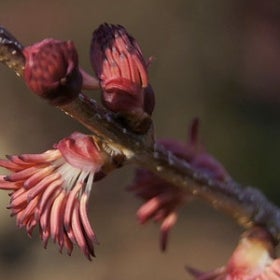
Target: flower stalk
point(246, 205)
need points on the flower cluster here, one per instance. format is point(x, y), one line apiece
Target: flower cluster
point(162, 200)
point(52, 189)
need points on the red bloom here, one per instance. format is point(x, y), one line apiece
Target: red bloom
point(51, 190)
point(119, 64)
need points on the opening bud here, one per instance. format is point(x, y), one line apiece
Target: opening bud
point(122, 71)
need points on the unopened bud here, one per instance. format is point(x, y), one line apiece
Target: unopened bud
point(52, 71)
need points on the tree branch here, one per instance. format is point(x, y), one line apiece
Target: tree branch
point(246, 205)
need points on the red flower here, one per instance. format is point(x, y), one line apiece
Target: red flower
point(51, 190)
point(119, 64)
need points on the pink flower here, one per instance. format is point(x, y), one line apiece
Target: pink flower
point(253, 259)
point(52, 189)
point(119, 64)
point(162, 199)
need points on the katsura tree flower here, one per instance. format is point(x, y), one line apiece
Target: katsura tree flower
point(162, 199)
point(52, 70)
point(52, 189)
point(253, 259)
point(119, 64)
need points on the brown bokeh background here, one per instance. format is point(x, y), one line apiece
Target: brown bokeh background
point(218, 60)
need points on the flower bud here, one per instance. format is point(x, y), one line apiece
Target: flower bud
point(119, 64)
point(52, 71)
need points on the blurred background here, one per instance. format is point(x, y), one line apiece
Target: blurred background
point(216, 60)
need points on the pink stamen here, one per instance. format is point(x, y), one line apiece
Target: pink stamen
point(78, 231)
point(49, 194)
point(150, 208)
point(70, 205)
point(10, 165)
point(166, 226)
point(38, 176)
point(28, 211)
point(84, 218)
point(22, 175)
point(55, 216)
point(46, 210)
point(48, 156)
point(43, 184)
point(4, 185)
point(18, 160)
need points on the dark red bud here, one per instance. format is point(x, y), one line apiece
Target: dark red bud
point(52, 71)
